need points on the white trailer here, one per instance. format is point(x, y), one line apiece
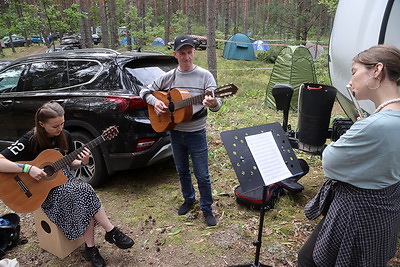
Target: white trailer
point(358, 25)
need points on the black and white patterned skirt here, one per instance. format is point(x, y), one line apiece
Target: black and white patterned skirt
point(71, 206)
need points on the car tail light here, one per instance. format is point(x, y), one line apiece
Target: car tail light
point(143, 144)
point(127, 102)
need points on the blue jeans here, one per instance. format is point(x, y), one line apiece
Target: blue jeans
point(193, 144)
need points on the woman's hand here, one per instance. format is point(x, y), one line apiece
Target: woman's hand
point(82, 159)
point(84, 156)
point(36, 173)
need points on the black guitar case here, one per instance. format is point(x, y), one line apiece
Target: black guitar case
point(253, 198)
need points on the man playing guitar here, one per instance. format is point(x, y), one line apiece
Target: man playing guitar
point(188, 138)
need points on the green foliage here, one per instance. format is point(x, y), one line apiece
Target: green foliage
point(269, 56)
point(330, 4)
point(322, 70)
point(141, 28)
point(71, 23)
point(178, 23)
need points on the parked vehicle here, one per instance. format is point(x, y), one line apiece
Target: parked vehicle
point(16, 40)
point(73, 40)
point(60, 48)
point(36, 39)
point(4, 63)
point(96, 39)
point(98, 88)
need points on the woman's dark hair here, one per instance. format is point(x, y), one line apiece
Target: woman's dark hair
point(388, 55)
point(39, 140)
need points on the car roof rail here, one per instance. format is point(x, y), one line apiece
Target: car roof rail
point(94, 50)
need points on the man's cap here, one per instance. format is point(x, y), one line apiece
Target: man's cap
point(183, 40)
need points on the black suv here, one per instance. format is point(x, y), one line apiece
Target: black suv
point(73, 40)
point(98, 88)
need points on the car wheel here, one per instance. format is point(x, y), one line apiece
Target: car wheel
point(94, 172)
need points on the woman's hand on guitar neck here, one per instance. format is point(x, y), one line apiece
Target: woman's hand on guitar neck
point(82, 159)
point(160, 107)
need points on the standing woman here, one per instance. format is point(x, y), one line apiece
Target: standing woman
point(74, 206)
point(362, 223)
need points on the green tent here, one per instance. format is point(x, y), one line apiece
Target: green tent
point(295, 66)
point(239, 46)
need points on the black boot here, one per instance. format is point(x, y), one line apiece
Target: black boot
point(121, 240)
point(92, 254)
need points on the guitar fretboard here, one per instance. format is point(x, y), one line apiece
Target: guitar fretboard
point(66, 160)
point(222, 91)
point(189, 101)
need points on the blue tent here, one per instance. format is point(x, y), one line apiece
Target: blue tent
point(260, 45)
point(239, 46)
point(158, 42)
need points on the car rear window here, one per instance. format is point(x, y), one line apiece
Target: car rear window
point(146, 70)
point(145, 75)
point(80, 71)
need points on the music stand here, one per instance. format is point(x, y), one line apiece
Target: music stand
point(255, 153)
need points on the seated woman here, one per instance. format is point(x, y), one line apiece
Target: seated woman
point(74, 206)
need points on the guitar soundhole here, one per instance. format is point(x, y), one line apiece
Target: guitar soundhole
point(49, 170)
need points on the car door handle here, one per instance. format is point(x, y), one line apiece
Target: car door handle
point(6, 102)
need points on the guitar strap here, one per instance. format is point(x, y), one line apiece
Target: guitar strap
point(171, 106)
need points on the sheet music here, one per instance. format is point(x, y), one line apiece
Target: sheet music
point(268, 158)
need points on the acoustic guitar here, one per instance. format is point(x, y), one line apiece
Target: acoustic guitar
point(22, 193)
point(180, 106)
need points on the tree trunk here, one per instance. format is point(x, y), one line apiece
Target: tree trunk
point(113, 23)
point(143, 15)
point(227, 18)
point(167, 20)
point(235, 16)
point(245, 9)
point(211, 43)
point(104, 24)
point(190, 16)
point(86, 36)
point(128, 5)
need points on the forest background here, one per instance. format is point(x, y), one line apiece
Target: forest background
point(275, 21)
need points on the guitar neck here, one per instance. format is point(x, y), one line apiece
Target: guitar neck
point(189, 101)
point(68, 159)
point(221, 92)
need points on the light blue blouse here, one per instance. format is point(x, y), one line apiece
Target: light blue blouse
point(368, 154)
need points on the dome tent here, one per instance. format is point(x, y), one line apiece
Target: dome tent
point(158, 42)
point(295, 66)
point(239, 46)
point(260, 45)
